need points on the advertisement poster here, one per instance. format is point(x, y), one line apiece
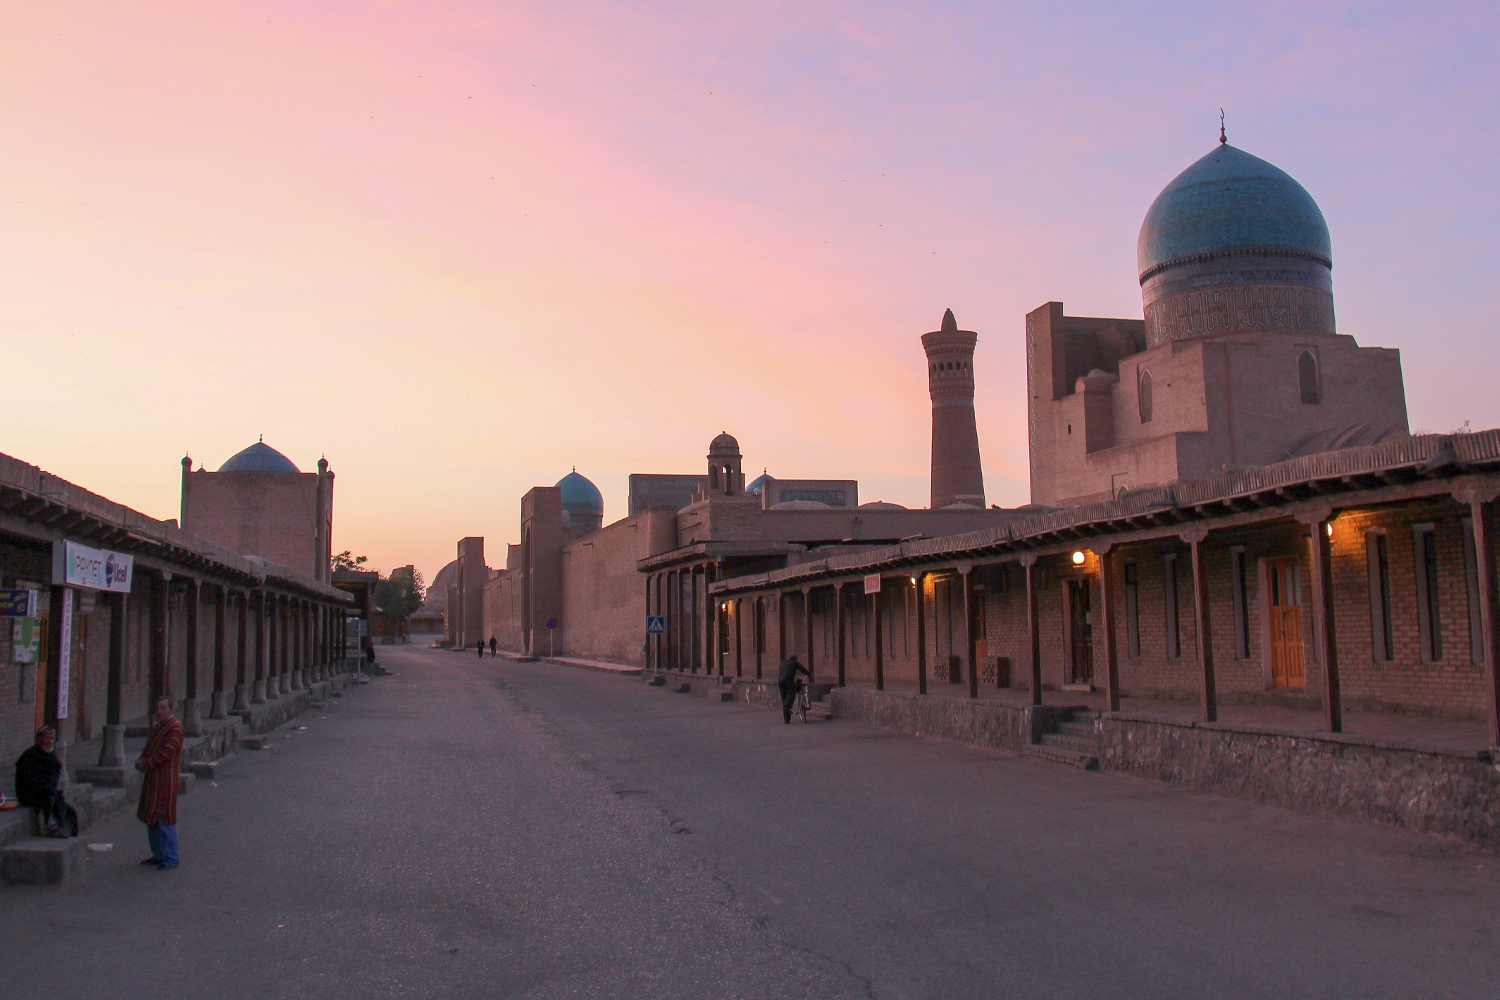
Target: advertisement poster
point(25, 639)
point(17, 603)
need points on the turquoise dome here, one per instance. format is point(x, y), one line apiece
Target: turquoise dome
point(259, 457)
point(579, 494)
point(759, 484)
point(1231, 203)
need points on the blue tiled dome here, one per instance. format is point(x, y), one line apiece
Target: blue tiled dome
point(580, 494)
point(259, 457)
point(759, 485)
point(1226, 202)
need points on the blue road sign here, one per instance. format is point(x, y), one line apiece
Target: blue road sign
point(656, 624)
point(552, 623)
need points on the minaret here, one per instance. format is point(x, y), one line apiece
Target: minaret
point(956, 475)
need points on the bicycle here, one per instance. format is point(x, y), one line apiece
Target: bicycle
point(804, 701)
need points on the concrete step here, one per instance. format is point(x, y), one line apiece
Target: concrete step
point(1067, 741)
point(42, 860)
point(819, 713)
point(1059, 755)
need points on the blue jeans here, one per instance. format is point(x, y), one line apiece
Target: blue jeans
point(163, 843)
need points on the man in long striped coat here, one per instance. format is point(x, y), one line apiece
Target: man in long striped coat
point(160, 762)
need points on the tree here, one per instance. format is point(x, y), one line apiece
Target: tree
point(400, 595)
point(345, 561)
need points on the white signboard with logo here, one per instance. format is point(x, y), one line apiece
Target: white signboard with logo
point(75, 565)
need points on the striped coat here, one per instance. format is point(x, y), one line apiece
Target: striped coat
point(163, 758)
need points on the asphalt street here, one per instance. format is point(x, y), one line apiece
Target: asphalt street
point(470, 828)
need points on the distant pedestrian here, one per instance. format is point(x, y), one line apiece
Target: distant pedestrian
point(493, 645)
point(38, 774)
point(787, 684)
point(160, 762)
point(479, 648)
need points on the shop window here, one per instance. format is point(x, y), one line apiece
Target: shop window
point(1377, 555)
point(1143, 395)
point(1307, 377)
point(1132, 609)
point(1429, 609)
point(1241, 570)
point(1169, 587)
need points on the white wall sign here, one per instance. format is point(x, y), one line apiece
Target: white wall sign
point(872, 583)
point(65, 654)
point(75, 565)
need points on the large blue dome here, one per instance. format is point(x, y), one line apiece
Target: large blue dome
point(579, 494)
point(1226, 204)
point(259, 457)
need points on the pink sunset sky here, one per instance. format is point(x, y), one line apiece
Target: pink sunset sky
point(460, 248)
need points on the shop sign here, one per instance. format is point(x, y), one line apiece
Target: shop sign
point(25, 639)
point(65, 654)
point(17, 603)
point(75, 565)
point(872, 583)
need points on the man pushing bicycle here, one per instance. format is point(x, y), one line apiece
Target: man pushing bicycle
point(788, 684)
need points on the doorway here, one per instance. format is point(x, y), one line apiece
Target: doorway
point(1081, 633)
point(1284, 600)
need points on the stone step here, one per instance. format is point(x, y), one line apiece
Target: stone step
point(1059, 755)
point(1085, 729)
point(1068, 741)
point(42, 860)
point(658, 681)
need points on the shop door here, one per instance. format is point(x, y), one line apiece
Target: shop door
point(1083, 632)
point(1285, 614)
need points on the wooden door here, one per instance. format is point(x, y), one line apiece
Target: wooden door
point(1083, 632)
point(1284, 597)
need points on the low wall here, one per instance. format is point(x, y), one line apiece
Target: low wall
point(979, 723)
point(1455, 793)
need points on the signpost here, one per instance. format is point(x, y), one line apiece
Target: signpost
point(551, 624)
point(656, 624)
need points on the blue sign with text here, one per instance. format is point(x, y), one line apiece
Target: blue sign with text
point(17, 604)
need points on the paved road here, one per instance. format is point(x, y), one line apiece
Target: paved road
point(468, 829)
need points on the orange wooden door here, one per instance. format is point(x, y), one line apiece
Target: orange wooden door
point(1285, 613)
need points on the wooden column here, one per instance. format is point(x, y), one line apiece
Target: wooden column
point(190, 603)
point(241, 695)
point(218, 707)
point(843, 631)
point(160, 682)
point(739, 638)
point(970, 666)
point(119, 633)
point(780, 627)
point(1106, 555)
point(760, 631)
point(807, 628)
point(921, 588)
point(1033, 626)
point(258, 607)
point(879, 619)
point(1208, 689)
point(1325, 632)
point(694, 635)
point(1486, 534)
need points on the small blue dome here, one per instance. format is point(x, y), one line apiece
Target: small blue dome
point(1231, 201)
point(580, 494)
point(259, 457)
point(759, 485)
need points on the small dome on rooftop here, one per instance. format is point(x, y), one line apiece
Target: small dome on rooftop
point(259, 457)
point(800, 505)
point(758, 485)
point(724, 444)
point(880, 505)
point(579, 494)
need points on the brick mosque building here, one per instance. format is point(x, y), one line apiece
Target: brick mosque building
point(1228, 511)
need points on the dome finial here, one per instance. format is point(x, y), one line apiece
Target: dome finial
point(1222, 136)
point(950, 325)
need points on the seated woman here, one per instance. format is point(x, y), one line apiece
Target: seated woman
point(37, 785)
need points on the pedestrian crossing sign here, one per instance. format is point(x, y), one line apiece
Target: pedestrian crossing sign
point(656, 624)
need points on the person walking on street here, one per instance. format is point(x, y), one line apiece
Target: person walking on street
point(479, 648)
point(786, 683)
point(492, 645)
point(37, 785)
point(161, 762)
